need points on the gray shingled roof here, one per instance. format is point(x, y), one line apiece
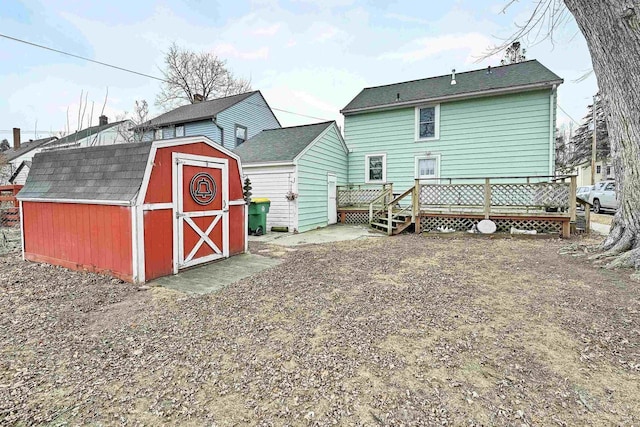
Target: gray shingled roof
point(470, 82)
point(84, 133)
point(193, 112)
point(279, 145)
point(111, 172)
point(25, 147)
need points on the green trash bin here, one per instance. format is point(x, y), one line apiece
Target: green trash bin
point(258, 210)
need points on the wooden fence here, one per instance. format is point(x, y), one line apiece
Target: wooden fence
point(9, 206)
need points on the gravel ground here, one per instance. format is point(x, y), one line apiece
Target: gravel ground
point(406, 330)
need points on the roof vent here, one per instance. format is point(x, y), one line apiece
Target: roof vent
point(398, 97)
point(489, 69)
point(453, 76)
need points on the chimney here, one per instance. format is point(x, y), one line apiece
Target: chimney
point(453, 76)
point(197, 98)
point(16, 138)
point(103, 120)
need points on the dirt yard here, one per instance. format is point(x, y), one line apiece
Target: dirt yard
point(406, 330)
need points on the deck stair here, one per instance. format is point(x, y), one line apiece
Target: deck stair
point(399, 222)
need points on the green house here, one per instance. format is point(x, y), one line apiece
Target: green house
point(298, 169)
point(492, 122)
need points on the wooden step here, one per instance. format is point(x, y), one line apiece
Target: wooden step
point(383, 226)
point(384, 218)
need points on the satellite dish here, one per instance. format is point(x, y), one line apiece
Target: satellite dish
point(486, 226)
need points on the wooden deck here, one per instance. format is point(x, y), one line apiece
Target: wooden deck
point(541, 203)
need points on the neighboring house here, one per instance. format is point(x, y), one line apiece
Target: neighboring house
point(298, 168)
point(19, 158)
point(604, 171)
point(229, 121)
point(485, 123)
point(104, 133)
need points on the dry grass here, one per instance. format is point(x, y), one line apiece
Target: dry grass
point(401, 331)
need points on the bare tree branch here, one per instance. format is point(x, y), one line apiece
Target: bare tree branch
point(189, 74)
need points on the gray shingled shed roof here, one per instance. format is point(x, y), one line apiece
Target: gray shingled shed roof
point(470, 82)
point(109, 173)
point(25, 147)
point(198, 111)
point(279, 145)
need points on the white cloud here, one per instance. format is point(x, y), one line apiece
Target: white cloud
point(267, 31)
point(474, 44)
point(229, 50)
point(406, 18)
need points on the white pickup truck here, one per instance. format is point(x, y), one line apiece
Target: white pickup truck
point(603, 197)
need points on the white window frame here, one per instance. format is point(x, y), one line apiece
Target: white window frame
point(384, 168)
point(436, 136)
point(157, 134)
point(181, 127)
point(416, 172)
point(235, 134)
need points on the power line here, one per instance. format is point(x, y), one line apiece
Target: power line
point(132, 71)
point(567, 114)
point(82, 57)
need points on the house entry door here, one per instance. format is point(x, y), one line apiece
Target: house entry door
point(332, 205)
point(201, 209)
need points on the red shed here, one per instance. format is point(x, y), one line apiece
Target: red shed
point(136, 211)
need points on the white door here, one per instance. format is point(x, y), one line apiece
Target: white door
point(427, 169)
point(201, 210)
point(332, 205)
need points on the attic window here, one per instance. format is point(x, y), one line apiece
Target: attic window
point(427, 122)
point(241, 135)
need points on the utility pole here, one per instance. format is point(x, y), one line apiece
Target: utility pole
point(593, 144)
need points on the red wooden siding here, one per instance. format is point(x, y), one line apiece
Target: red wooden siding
point(159, 190)
point(81, 237)
point(158, 225)
point(158, 243)
point(237, 230)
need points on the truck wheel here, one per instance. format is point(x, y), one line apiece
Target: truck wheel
point(596, 206)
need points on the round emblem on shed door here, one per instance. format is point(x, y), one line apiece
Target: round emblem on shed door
point(202, 188)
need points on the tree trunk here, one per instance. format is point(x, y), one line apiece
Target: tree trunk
point(612, 31)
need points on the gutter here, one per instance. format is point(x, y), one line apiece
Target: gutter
point(552, 130)
point(215, 122)
point(466, 95)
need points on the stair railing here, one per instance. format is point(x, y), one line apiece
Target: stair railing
point(382, 199)
point(391, 214)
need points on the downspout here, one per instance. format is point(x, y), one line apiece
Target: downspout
point(214, 120)
point(552, 131)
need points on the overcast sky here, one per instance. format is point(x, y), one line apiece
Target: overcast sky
point(305, 56)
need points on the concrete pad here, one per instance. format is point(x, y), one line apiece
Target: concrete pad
point(332, 233)
point(600, 228)
point(216, 275)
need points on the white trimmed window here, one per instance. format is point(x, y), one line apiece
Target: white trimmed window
point(375, 168)
point(427, 167)
point(241, 135)
point(427, 122)
point(179, 131)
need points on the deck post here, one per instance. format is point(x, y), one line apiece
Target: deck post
point(416, 206)
point(572, 198)
point(389, 219)
point(487, 198)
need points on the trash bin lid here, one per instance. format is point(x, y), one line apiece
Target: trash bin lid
point(260, 200)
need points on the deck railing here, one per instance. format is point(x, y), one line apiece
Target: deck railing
point(362, 195)
point(492, 195)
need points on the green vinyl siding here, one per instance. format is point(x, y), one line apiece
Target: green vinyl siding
point(507, 135)
point(326, 156)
